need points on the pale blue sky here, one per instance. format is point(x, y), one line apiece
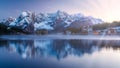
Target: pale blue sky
point(108, 10)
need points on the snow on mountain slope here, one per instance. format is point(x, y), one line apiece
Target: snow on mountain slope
point(94, 20)
point(42, 25)
point(22, 20)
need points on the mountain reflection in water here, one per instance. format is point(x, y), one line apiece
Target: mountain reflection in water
point(58, 49)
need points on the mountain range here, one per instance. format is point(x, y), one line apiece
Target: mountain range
point(58, 21)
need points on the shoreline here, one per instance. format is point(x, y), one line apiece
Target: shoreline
point(59, 37)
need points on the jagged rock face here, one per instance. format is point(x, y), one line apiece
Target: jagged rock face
point(30, 28)
point(7, 21)
point(25, 21)
point(80, 23)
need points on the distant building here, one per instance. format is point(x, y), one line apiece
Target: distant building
point(118, 30)
point(97, 32)
point(113, 31)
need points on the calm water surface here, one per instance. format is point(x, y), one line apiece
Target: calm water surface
point(59, 53)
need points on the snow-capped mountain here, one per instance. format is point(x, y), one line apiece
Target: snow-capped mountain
point(23, 20)
point(50, 21)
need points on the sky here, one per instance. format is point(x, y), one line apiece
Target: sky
point(107, 10)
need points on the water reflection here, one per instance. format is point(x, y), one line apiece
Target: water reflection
point(58, 49)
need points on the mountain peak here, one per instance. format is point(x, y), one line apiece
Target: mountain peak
point(24, 14)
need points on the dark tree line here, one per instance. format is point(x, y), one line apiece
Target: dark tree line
point(106, 25)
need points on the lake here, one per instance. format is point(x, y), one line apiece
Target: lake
point(59, 52)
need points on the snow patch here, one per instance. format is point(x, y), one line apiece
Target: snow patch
point(42, 25)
